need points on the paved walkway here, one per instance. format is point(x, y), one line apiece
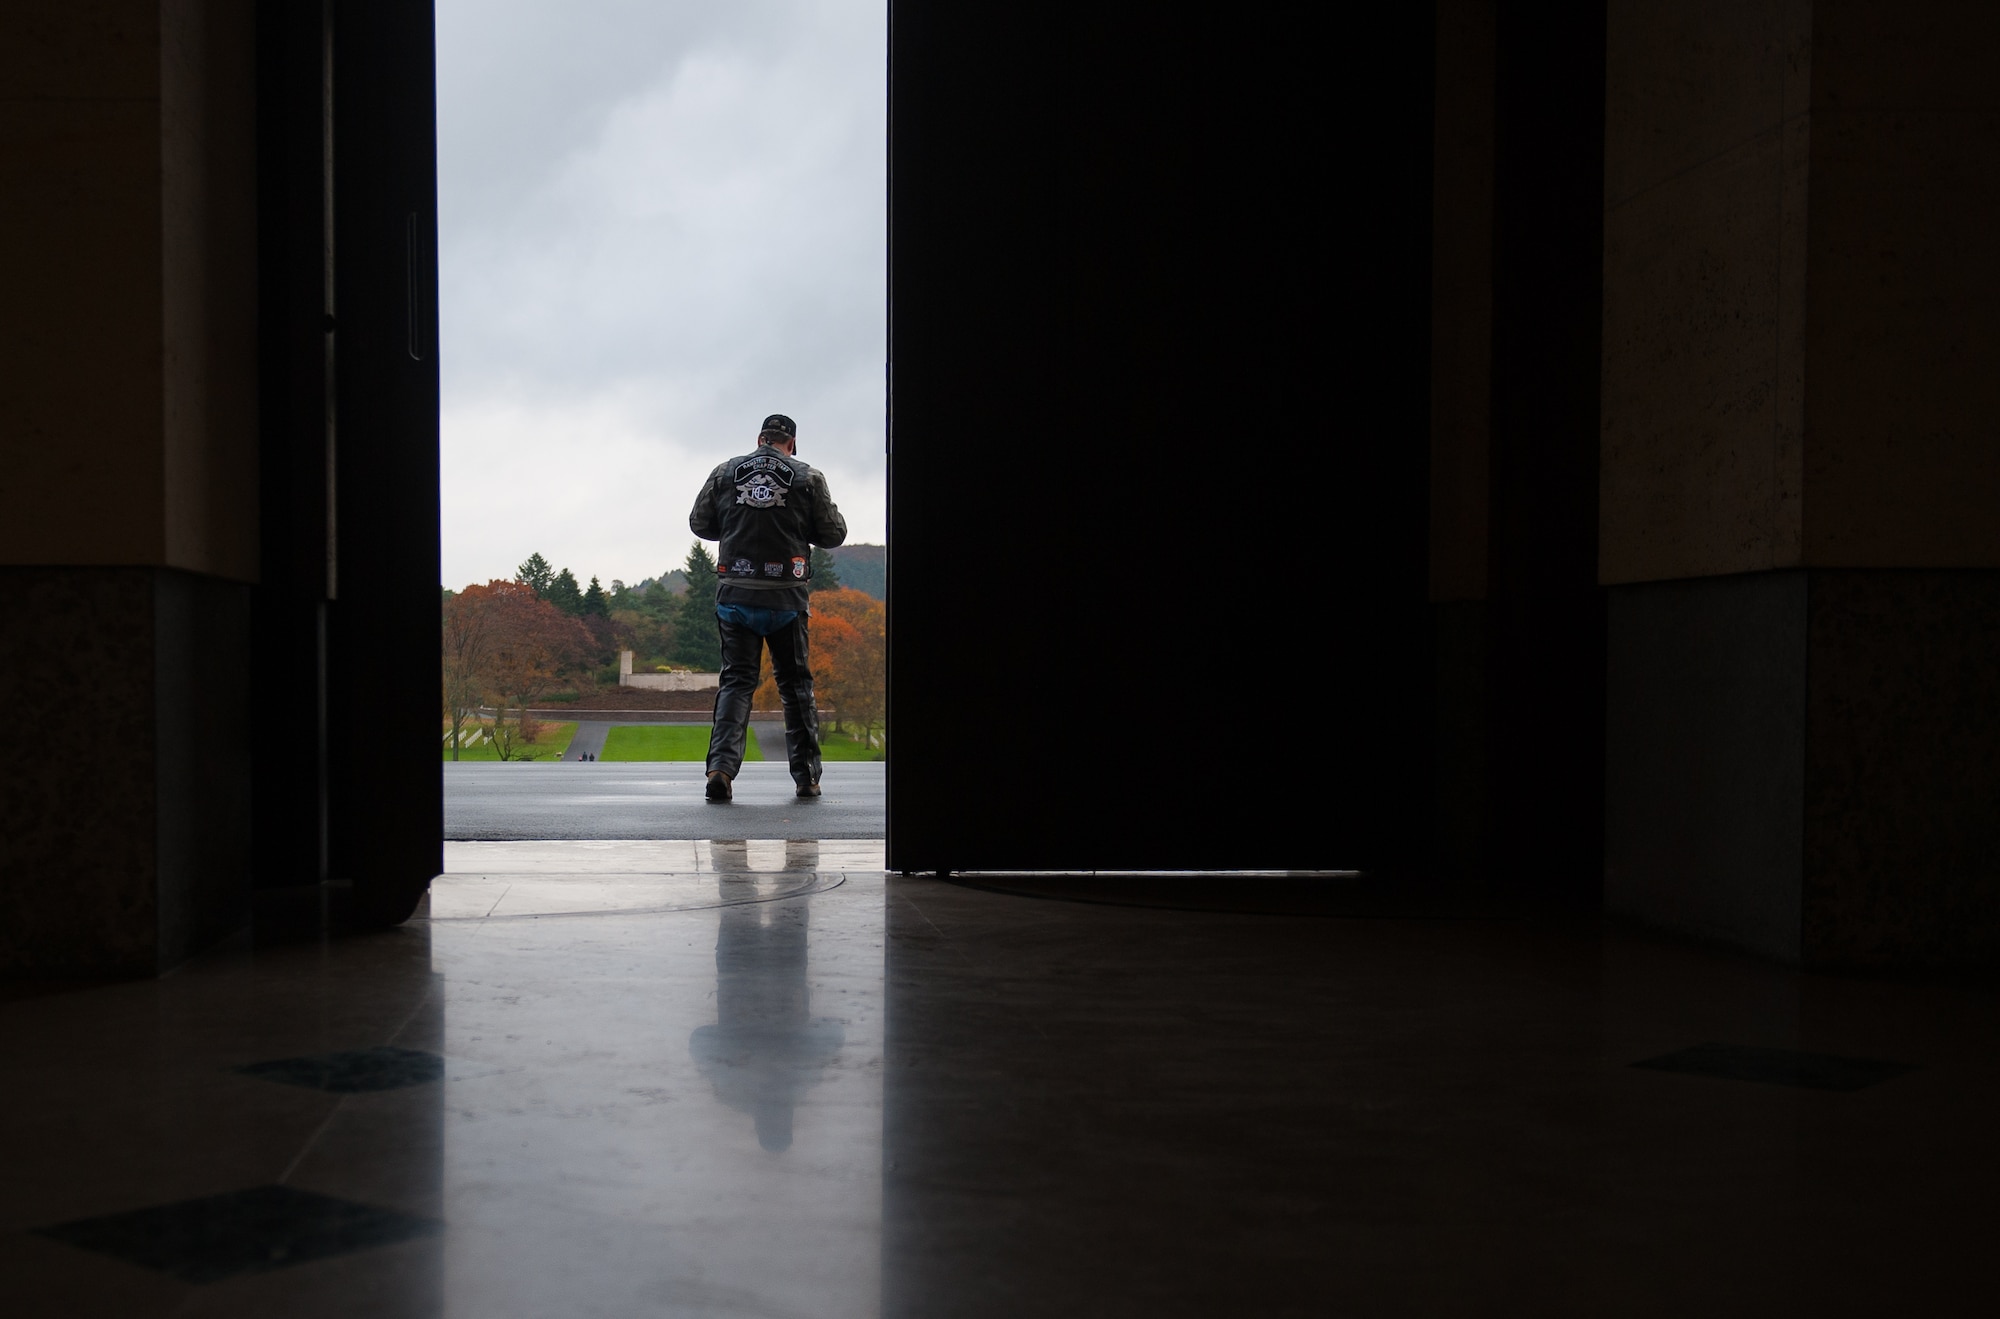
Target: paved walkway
point(656, 800)
point(589, 739)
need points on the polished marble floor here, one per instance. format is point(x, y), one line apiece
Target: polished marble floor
point(623, 1078)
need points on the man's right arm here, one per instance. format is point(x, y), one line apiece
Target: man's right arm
point(702, 520)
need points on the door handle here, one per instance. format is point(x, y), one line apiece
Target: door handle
point(416, 267)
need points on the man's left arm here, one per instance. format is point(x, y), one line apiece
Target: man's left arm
point(829, 528)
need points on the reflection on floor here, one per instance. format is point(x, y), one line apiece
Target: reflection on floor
point(629, 1079)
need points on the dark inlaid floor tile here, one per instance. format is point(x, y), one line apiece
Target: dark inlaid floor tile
point(1812, 1071)
point(253, 1231)
point(354, 1071)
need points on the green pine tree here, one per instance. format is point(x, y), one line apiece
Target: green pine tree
point(825, 576)
point(564, 593)
point(659, 600)
point(595, 601)
point(697, 639)
point(536, 575)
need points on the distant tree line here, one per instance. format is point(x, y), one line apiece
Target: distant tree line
point(510, 644)
point(660, 620)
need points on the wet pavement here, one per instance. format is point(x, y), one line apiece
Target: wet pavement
point(659, 799)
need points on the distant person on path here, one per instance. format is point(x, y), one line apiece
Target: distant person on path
point(768, 509)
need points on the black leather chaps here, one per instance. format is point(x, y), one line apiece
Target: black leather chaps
point(742, 662)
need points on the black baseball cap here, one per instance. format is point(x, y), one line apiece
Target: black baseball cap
point(779, 424)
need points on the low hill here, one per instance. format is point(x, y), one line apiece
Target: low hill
point(863, 568)
point(675, 581)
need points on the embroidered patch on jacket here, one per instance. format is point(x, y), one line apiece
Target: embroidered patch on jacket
point(761, 481)
point(774, 570)
point(798, 568)
point(761, 491)
point(742, 566)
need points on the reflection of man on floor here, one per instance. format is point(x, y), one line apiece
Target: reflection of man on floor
point(765, 1049)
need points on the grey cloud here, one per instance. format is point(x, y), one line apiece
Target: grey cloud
point(658, 222)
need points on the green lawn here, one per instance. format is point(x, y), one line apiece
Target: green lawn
point(840, 746)
point(552, 742)
point(667, 742)
point(690, 742)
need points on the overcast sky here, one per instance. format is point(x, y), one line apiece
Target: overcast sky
point(659, 221)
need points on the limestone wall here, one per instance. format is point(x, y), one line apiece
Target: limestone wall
point(671, 682)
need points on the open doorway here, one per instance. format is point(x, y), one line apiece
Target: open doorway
point(658, 224)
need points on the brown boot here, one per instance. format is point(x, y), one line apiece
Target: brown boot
point(718, 786)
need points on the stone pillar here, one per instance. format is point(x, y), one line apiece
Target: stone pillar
point(128, 413)
point(1800, 476)
point(624, 668)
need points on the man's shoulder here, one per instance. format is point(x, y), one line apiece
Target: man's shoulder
point(766, 457)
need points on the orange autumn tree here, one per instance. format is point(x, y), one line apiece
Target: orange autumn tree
point(465, 640)
point(506, 648)
point(850, 663)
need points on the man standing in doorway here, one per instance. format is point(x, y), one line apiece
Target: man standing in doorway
point(768, 509)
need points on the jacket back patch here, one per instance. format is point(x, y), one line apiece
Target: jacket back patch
point(762, 480)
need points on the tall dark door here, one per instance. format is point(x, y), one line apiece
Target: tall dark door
point(1159, 432)
point(385, 788)
point(295, 410)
